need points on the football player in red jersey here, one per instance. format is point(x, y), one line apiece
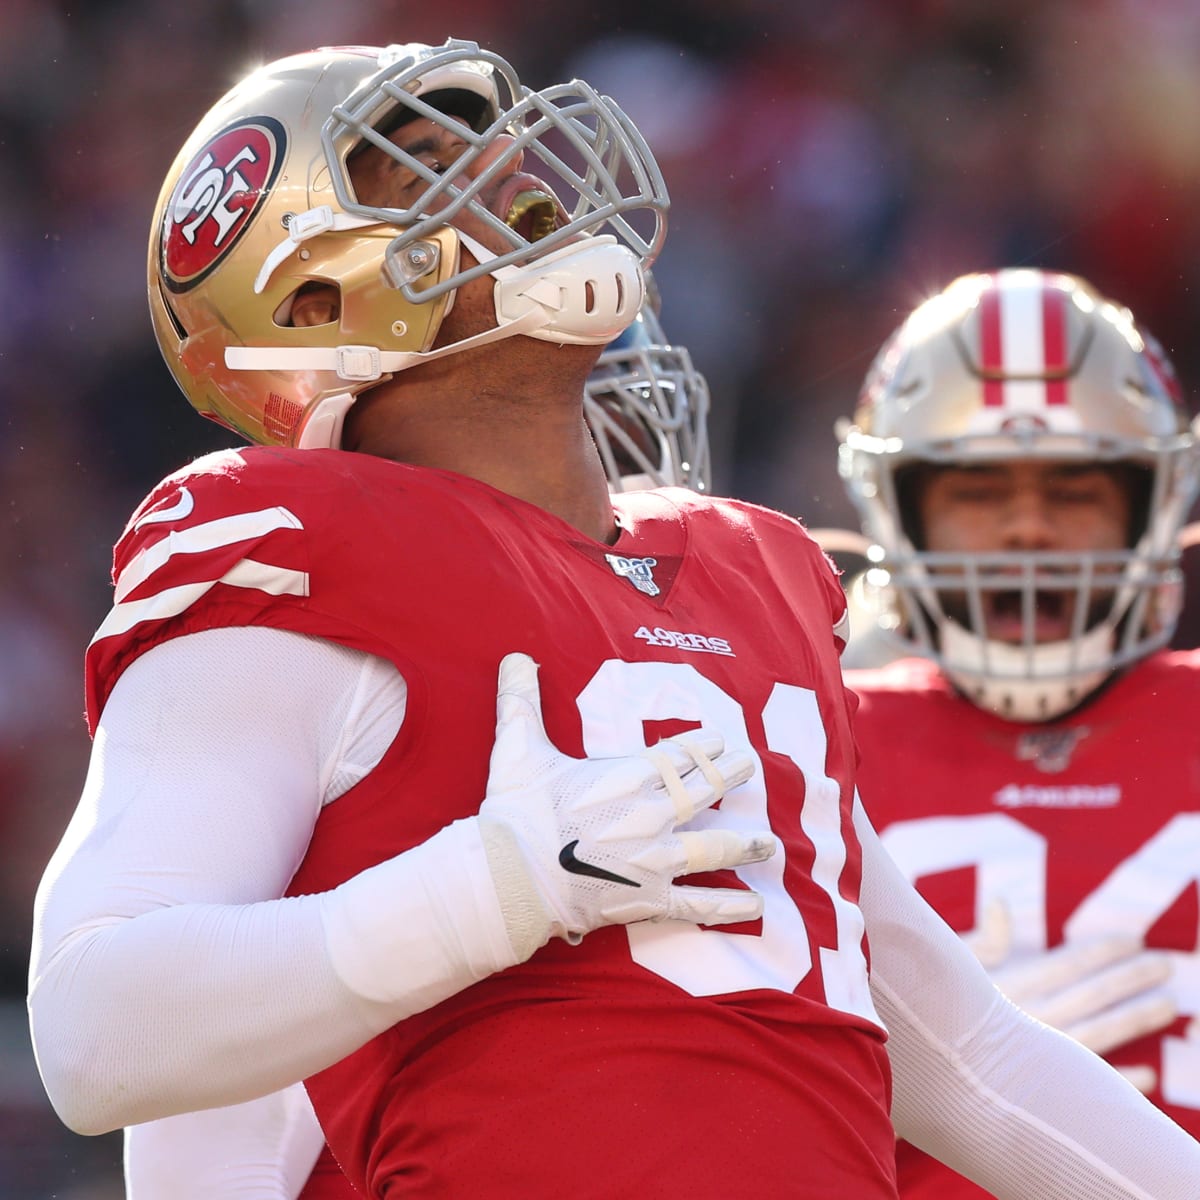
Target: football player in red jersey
point(1022, 458)
point(340, 827)
point(646, 407)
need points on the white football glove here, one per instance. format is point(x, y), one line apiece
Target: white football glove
point(1103, 992)
point(574, 844)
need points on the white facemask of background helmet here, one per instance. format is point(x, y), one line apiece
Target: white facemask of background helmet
point(647, 409)
point(1022, 364)
point(259, 203)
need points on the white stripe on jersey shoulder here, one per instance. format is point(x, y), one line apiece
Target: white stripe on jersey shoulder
point(184, 503)
point(211, 535)
point(170, 602)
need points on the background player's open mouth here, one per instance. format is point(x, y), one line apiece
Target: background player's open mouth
point(1052, 611)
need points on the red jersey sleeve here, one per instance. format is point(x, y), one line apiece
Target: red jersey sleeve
point(212, 545)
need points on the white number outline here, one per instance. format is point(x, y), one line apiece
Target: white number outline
point(1010, 864)
point(613, 708)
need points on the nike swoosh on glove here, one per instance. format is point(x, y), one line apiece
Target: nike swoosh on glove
point(1103, 992)
point(575, 844)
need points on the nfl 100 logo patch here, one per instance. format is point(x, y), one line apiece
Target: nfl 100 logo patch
point(1050, 749)
point(639, 571)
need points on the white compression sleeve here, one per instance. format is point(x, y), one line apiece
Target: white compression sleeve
point(261, 1150)
point(167, 973)
point(1010, 1103)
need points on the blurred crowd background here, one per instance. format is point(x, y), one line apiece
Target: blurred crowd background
point(830, 166)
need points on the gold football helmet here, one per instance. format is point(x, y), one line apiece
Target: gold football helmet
point(1022, 364)
point(260, 203)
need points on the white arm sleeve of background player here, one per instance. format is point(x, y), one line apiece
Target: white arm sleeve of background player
point(1010, 1103)
point(261, 1150)
point(167, 973)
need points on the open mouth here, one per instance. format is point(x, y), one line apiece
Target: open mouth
point(533, 214)
point(1052, 613)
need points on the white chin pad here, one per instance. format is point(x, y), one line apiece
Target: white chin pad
point(1022, 683)
point(586, 292)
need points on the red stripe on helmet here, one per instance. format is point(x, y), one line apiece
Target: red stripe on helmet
point(1054, 343)
point(991, 347)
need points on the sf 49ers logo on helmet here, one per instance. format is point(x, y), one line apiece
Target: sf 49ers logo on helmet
point(215, 200)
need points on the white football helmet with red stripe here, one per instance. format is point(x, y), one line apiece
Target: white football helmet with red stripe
point(260, 203)
point(1022, 364)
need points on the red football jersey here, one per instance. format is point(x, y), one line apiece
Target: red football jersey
point(1082, 826)
point(327, 1181)
point(661, 1059)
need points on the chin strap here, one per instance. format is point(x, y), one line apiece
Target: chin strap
point(582, 294)
point(360, 364)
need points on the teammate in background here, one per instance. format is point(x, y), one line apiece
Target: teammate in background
point(1021, 455)
point(319, 841)
point(646, 407)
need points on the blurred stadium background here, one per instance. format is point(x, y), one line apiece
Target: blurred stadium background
point(830, 165)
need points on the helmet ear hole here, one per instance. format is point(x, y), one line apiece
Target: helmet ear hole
point(316, 302)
